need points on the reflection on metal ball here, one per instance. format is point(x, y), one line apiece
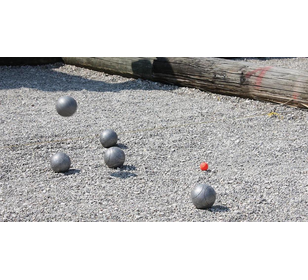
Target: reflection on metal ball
point(108, 138)
point(60, 162)
point(203, 196)
point(114, 157)
point(66, 106)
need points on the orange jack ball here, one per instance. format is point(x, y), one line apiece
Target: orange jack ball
point(204, 166)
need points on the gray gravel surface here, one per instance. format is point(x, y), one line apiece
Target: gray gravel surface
point(257, 151)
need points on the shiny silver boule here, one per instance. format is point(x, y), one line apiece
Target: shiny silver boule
point(203, 196)
point(114, 157)
point(66, 106)
point(108, 138)
point(60, 162)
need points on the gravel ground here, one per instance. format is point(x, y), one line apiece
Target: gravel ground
point(257, 151)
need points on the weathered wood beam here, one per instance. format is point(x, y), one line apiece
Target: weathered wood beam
point(217, 75)
point(235, 78)
point(133, 67)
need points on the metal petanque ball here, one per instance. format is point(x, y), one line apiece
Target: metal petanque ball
point(203, 196)
point(114, 157)
point(60, 162)
point(108, 138)
point(66, 106)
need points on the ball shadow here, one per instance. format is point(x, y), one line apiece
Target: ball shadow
point(121, 146)
point(219, 208)
point(72, 171)
point(127, 167)
point(123, 174)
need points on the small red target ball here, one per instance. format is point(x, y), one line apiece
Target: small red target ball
point(204, 166)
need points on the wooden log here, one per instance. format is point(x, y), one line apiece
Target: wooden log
point(133, 67)
point(217, 75)
point(279, 85)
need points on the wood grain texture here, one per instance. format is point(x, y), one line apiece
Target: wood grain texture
point(133, 67)
point(217, 75)
point(223, 76)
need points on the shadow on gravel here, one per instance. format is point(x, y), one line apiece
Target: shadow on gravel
point(47, 78)
point(72, 171)
point(219, 208)
point(122, 146)
point(123, 174)
point(127, 167)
